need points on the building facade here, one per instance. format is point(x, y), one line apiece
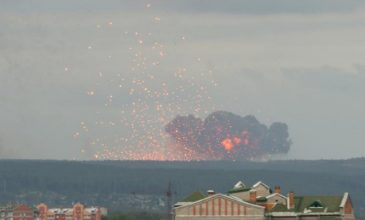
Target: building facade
point(6, 213)
point(18, 212)
point(219, 206)
point(260, 202)
point(77, 212)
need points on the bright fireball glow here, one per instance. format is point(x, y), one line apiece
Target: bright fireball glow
point(227, 144)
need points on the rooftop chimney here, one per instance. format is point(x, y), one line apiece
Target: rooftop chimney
point(277, 189)
point(253, 196)
point(210, 192)
point(291, 203)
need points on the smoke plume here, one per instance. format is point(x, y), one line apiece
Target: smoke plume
point(224, 135)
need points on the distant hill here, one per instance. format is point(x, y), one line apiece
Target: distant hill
point(123, 185)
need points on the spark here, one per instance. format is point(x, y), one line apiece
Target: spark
point(90, 93)
point(153, 96)
point(76, 135)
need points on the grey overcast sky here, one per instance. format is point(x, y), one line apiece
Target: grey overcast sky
point(69, 70)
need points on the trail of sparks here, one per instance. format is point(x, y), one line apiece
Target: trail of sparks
point(155, 94)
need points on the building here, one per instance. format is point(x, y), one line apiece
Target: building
point(77, 212)
point(6, 213)
point(18, 212)
point(24, 212)
point(260, 202)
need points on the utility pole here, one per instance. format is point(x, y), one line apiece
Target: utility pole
point(169, 201)
point(4, 186)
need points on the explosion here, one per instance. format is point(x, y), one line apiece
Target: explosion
point(135, 103)
point(224, 135)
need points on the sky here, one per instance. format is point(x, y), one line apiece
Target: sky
point(84, 79)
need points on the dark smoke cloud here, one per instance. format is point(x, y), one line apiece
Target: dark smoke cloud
point(224, 135)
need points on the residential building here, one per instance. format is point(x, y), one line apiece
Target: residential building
point(260, 202)
point(77, 212)
point(18, 212)
point(6, 213)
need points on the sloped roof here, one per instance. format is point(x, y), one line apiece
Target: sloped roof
point(261, 199)
point(239, 190)
point(239, 187)
point(280, 208)
point(344, 199)
point(276, 194)
point(330, 203)
point(195, 196)
point(260, 183)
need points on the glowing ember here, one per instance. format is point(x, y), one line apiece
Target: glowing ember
point(227, 144)
point(236, 140)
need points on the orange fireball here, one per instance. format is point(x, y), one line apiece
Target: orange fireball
point(227, 144)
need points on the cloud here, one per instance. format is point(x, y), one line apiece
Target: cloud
point(327, 78)
point(187, 6)
point(266, 7)
point(38, 6)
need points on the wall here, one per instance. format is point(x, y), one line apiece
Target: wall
point(219, 207)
